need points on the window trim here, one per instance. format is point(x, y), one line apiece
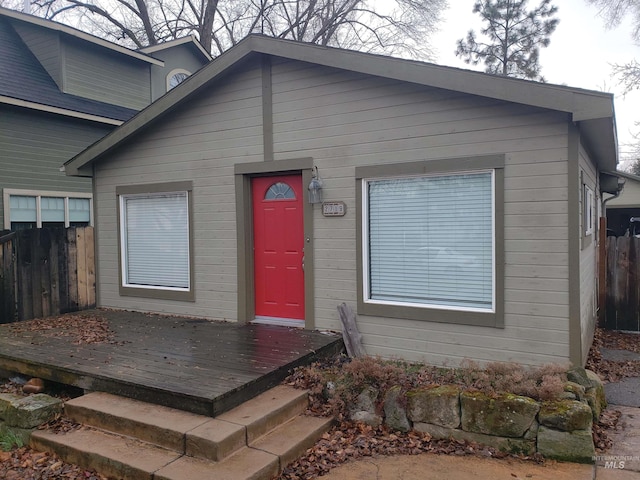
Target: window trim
point(458, 315)
point(174, 72)
point(156, 292)
point(38, 194)
point(588, 197)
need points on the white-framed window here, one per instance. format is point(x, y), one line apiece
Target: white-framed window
point(429, 241)
point(588, 210)
point(38, 208)
point(176, 77)
point(155, 241)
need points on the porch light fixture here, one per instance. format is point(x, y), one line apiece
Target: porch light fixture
point(315, 187)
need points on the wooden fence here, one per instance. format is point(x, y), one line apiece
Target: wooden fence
point(54, 271)
point(623, 284)
point(7, 278)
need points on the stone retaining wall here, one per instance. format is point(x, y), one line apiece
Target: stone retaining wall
point(559, 429)
point(21, 415)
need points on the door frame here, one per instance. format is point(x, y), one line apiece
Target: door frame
point(244, 230)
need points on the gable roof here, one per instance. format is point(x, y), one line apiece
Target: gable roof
point(66, 30)
point(593, 110)
point(189, 40)
point(24, 82)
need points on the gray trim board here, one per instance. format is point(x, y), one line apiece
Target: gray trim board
point(267, 109)
point(574, 236)
point(492, 319)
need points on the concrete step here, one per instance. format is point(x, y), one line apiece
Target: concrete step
point(290, 440)
point(268, 410)
point(253, 441)
point(245, 464)
point(156, 424)
point(112, 455)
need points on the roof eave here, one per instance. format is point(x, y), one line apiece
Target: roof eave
point(594, 110)
point(16, 102)
point(601, 138)
point(189, 39)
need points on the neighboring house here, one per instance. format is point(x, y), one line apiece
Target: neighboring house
point(467, 228)
point(620, 209)
point(60, 91)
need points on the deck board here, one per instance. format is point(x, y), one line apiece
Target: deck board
point(196, 365)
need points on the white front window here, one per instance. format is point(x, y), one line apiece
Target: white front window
point(155, 240)
point(428, 241)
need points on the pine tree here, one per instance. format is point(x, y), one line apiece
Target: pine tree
point(514, 36)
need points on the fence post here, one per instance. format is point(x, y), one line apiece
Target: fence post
point(602, 272)
point(7, 278)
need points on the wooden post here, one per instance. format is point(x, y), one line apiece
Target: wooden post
point(602, 272)
point(350, 334)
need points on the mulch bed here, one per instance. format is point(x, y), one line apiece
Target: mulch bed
point(345, 441)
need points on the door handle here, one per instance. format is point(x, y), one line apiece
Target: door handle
point(303, 263)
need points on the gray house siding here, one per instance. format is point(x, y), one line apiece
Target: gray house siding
point(179, 57)
point(90, 73)
point(33, 145)
point(346, 120)
point(201, 142)
point(45, 45)
point(588, 253)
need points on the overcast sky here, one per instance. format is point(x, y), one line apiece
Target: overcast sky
point(579, 55)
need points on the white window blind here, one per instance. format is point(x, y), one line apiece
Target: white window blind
point(52, 209)
point(79, 210)
point(156, 240)
point(430, 240)
point(23, 208)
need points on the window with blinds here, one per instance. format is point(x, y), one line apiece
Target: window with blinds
point(429, 241)
point(155, 240)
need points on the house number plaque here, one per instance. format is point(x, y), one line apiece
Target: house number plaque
point(334, 209)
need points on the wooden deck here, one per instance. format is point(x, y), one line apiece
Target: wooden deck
point(195, 365)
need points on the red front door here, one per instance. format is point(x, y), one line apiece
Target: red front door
point(278, 233)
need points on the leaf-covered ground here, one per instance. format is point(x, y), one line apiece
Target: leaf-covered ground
point(345, 441)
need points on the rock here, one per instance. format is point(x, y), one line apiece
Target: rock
point(367, 400)
point(22, 434)
point(575, 389)
point(508, 445)
point(576, 446)
point(594, 389)
point(395, 414)
point(595, 402)
point(6, 402)
point(584, 377)
point(28, 412)
point(368, 418)
point(365, 408)
point(35, 385)
point(532, 433)
point(600, 399)
point(504, 415)
point(437, 406)
point(566, 415)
